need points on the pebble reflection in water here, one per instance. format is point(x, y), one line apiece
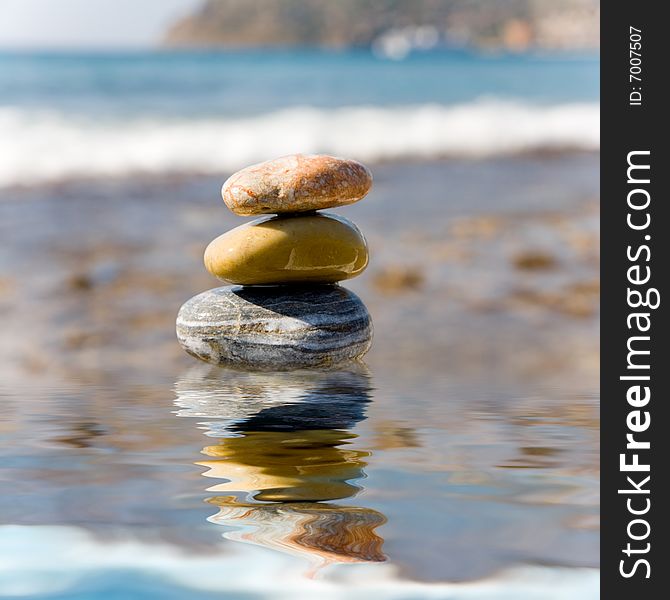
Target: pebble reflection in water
point(283, 454)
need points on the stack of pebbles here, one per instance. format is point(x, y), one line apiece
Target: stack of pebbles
point(284, 308)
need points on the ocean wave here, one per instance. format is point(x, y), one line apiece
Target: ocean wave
point(41, 147)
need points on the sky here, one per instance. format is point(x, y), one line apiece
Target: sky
point(87, 23)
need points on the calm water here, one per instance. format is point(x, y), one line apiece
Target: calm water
point(466, 451)
point(236, 83)
point(233, 484)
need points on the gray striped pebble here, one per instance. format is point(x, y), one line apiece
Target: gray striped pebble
point(278, 327)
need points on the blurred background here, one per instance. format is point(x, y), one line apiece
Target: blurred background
point(472, 455)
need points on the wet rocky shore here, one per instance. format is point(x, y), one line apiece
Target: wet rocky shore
point(473, 263)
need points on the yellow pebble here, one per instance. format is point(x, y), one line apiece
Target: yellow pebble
point(307, 248)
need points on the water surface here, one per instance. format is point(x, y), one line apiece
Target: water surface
point(321, 476)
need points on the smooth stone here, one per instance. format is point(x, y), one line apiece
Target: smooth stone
point(296, 183)
point(282, 327)
point(314, 248)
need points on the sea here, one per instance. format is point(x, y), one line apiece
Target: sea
point(72, 115)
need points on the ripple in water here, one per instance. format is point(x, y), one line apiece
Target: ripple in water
point(283, 455)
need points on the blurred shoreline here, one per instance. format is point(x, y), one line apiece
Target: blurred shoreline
point(468, 258)
point(53, 182)
point(390, 28)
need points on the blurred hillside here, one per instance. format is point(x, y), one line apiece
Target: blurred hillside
point(391, 27)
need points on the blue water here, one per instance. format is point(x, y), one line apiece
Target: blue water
point(235, 83)
point(157, 113)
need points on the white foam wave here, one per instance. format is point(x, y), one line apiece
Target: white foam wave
point(41, 147)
